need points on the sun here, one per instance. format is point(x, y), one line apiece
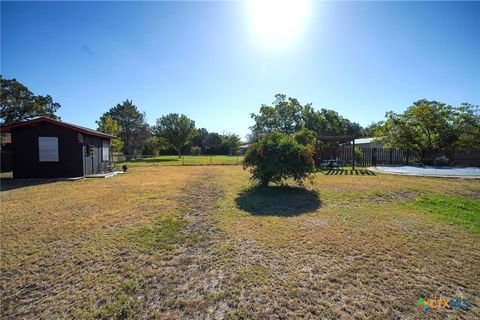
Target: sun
point(277, 22)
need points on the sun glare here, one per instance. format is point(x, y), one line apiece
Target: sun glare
point(278, 22)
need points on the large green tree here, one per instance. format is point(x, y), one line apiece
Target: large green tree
point(134, 129)
point(287, 115)
point(177, 130)
point(108, 125)
point(329, 123)
point(18, 103)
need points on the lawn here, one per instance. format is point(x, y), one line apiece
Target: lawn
point(184, 160)
point(198, 242)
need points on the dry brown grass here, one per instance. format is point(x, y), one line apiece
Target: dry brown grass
point(196, 242)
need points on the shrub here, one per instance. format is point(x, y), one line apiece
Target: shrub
point(357, 155)
point(441, 161)
point(277, 157)
point(195, 151)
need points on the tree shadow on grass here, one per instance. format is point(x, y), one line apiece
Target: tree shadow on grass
point(278, 201)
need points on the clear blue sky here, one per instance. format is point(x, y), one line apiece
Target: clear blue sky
point(218, 61)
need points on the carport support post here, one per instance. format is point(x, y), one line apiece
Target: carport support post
point(353, 155)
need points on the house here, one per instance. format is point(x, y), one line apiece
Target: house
point(243, 148)
point(48, 148)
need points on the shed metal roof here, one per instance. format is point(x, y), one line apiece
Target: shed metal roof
point(75, 127)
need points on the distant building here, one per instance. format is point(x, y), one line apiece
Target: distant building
point(243, 148)
point(367, 143)
point(48, 148)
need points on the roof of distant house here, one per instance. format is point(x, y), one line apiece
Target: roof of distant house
point(75, 127)
point(365, 140)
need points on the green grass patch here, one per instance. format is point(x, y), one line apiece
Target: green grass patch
point(156, 235)
point(184, 160)
point(461, 211)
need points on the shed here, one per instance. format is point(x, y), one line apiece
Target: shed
point(48, 148)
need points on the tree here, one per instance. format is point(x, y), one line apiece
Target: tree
point(134, 129)
point(212, 143)
point(284, 116)
point(200, 138)
point(231, 142)
point(288, 116)
point(329, 123)
point(177, 130)
point(466, 124)
point(106, 124)
point(277, 157)
point(373, 129)
point(426, 128)
point(154, 145)
point(305, 137)
point(18, 103)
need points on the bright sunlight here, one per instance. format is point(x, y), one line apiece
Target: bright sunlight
point(277, 22)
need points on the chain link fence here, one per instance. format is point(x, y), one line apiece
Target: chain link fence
point(119, 158)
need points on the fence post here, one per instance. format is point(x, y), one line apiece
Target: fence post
point(408, 156)
point(390, 157)
point(353, 155)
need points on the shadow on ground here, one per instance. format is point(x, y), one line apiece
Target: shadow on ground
point(7, 184)
point(345, 172)
point(278, 201)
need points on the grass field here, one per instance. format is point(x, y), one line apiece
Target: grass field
point(184, 160)
point(198, 242)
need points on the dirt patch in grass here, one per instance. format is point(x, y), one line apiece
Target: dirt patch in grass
point(186, 282)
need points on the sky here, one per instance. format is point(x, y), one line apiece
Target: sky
point(217, 62)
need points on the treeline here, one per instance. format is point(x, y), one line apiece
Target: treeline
point(172, 134)
point(286, 115)
point(428, 128)
point(431, 129)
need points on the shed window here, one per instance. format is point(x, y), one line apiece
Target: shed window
point(105, 150)
point(48, 149)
